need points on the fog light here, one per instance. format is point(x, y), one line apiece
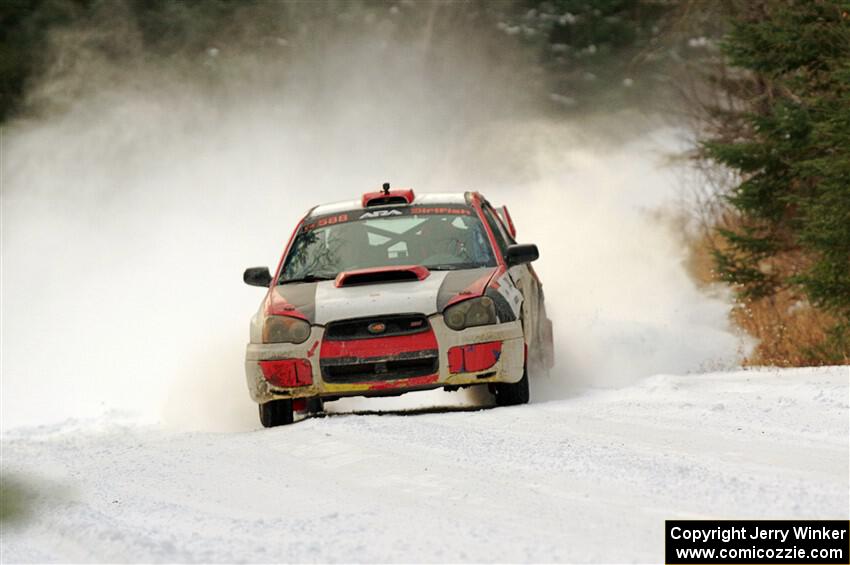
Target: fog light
point(473, 358)
point(287, 373)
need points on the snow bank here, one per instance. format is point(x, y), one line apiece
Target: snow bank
point(590, 479)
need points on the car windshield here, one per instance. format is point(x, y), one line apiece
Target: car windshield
point(436, 238)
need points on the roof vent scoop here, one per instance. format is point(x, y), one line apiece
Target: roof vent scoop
point(387, 197)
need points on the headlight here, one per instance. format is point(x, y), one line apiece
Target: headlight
point(470, 313)
point(285, 329)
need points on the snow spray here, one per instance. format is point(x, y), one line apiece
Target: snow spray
point(141, 187)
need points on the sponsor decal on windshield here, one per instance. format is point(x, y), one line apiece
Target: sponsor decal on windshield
point(445, 211)
point(380, 214)
point(353, 216)
point(326, 221)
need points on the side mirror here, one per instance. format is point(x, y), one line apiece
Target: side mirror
point(519, 254)
point(257, 276)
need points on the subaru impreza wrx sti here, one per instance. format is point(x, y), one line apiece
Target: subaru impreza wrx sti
point(392, 293)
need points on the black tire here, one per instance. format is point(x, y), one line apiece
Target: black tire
point(511, 394)
point(315, 405)
point(276, 413)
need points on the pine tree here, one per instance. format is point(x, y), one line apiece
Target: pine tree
point(788, 136)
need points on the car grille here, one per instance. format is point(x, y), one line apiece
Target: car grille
point(400, 346)
point(364, 370)
point(358, 328)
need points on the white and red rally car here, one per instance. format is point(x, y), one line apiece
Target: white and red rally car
point(392, 293)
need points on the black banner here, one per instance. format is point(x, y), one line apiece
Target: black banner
point(693, 542)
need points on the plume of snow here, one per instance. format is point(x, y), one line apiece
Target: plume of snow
point(135, 199)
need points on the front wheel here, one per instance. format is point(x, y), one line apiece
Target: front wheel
point(315, 405)
point(276, 413)
point(511, 394)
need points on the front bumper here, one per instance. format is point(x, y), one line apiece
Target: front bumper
point(508, 368)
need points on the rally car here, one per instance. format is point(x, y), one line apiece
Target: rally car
point(392, 293)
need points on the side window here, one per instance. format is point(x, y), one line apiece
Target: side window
point(498, 232)
point(502, 227)
point(505, 230)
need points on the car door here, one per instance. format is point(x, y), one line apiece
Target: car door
point(536, 326)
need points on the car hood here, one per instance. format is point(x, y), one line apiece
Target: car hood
point(323, 302)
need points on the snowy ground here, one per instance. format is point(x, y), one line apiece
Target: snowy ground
point(590, 478)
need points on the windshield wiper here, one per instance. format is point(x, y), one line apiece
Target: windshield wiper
point(453, 267)
point(308, 278)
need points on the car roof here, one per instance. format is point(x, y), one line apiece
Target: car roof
point(427, 198)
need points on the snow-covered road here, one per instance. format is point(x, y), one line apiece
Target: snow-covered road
point(589, 478)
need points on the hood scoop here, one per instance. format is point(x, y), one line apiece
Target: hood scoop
point(379, 275)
